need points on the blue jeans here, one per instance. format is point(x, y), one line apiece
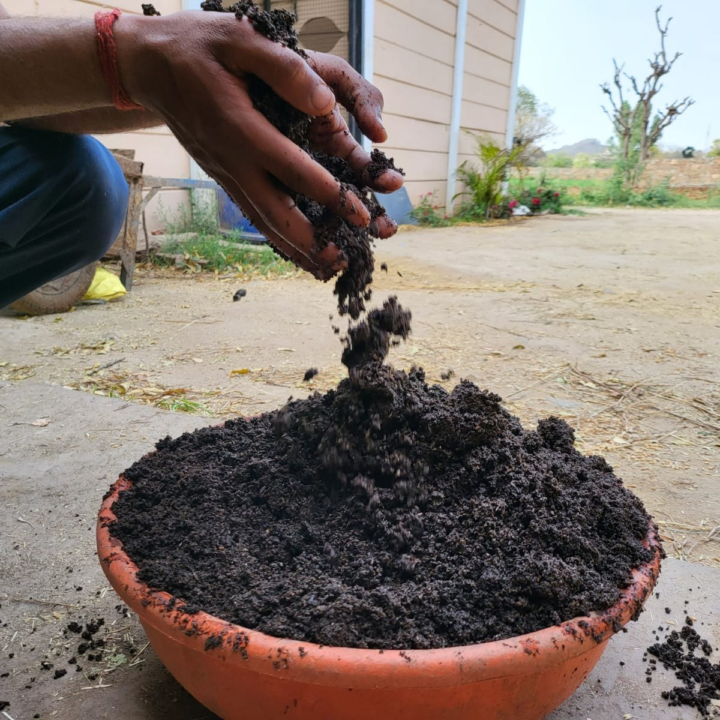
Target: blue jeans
point(63, 200)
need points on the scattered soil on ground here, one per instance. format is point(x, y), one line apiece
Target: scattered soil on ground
point(688, 654)
point(355, 243)
point(385, 514)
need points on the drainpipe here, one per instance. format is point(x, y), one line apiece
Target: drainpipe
point(368, 50)
point(457, 96)
point(512, 109)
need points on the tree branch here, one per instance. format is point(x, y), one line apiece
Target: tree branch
point(663, 33)
point(632, 122)
point(672, 113)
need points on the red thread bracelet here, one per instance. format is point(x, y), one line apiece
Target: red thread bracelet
point(107, 49)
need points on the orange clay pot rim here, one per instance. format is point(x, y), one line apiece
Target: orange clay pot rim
point(363, 668)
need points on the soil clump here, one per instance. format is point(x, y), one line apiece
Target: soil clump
point(689, 656)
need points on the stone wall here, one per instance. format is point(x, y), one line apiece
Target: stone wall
point(690, 176)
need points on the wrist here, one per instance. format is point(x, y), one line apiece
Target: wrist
point(135, 37)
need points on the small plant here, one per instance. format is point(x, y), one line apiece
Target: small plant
point(200, 216)
point(196, 243)
point(541, 200)
point(428, 212)
point(615, 192)
point(485, 195)
point(656, 196)
point(545, 198)
point(184, 405)
point(216, 253)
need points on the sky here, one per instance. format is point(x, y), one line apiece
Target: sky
point(568, 49)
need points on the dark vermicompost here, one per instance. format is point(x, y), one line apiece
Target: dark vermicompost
point(386, 514)
point(689, 656)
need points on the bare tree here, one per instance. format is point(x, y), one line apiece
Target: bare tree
point(632, 120)
point(533, 123)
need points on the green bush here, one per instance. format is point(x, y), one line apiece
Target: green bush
point(582, 160)
point(657, 196)
point(428, 212)
point(543, 198)
point(613, 191)
point(484, 197)
point(558, 160)
point(603, 161)
point(196, 243)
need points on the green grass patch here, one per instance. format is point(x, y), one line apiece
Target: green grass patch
point(222, 253)
point(197, 243)
point(184, 405)
point(612, 193)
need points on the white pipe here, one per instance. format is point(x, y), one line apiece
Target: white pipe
point(512, 109)
point(457, 98)
point(368, 50)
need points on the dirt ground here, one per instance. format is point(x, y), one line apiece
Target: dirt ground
point(609, 320)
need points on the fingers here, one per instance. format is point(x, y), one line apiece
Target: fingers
point(330, 135)
point(214, 145)
point(359, 97)
point(285, 247)
point(280, 214)
point(288, 74)
point(210, 165)
point(298, 171)
point(383, 227)
point(282, 224)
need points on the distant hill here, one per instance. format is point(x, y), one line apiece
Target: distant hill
point(589, 147)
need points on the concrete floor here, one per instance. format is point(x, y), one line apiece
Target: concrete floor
point(52, 478)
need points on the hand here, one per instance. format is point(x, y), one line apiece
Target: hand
point(330, 134)
point(191, 69)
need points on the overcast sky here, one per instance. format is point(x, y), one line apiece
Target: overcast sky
point(569, 45)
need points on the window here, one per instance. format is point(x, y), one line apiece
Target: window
point(329, 26)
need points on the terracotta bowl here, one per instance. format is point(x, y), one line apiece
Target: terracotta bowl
point(240, 674)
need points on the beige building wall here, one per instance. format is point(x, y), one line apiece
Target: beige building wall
point(414, 60)
point(414, 65)
point(156, 147)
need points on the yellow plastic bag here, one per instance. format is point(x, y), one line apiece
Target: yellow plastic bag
point(105, 286)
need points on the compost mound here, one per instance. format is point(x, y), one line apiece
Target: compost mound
point(387, 513)
point(353, 285)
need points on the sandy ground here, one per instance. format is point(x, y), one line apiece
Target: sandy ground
point(609, 321)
